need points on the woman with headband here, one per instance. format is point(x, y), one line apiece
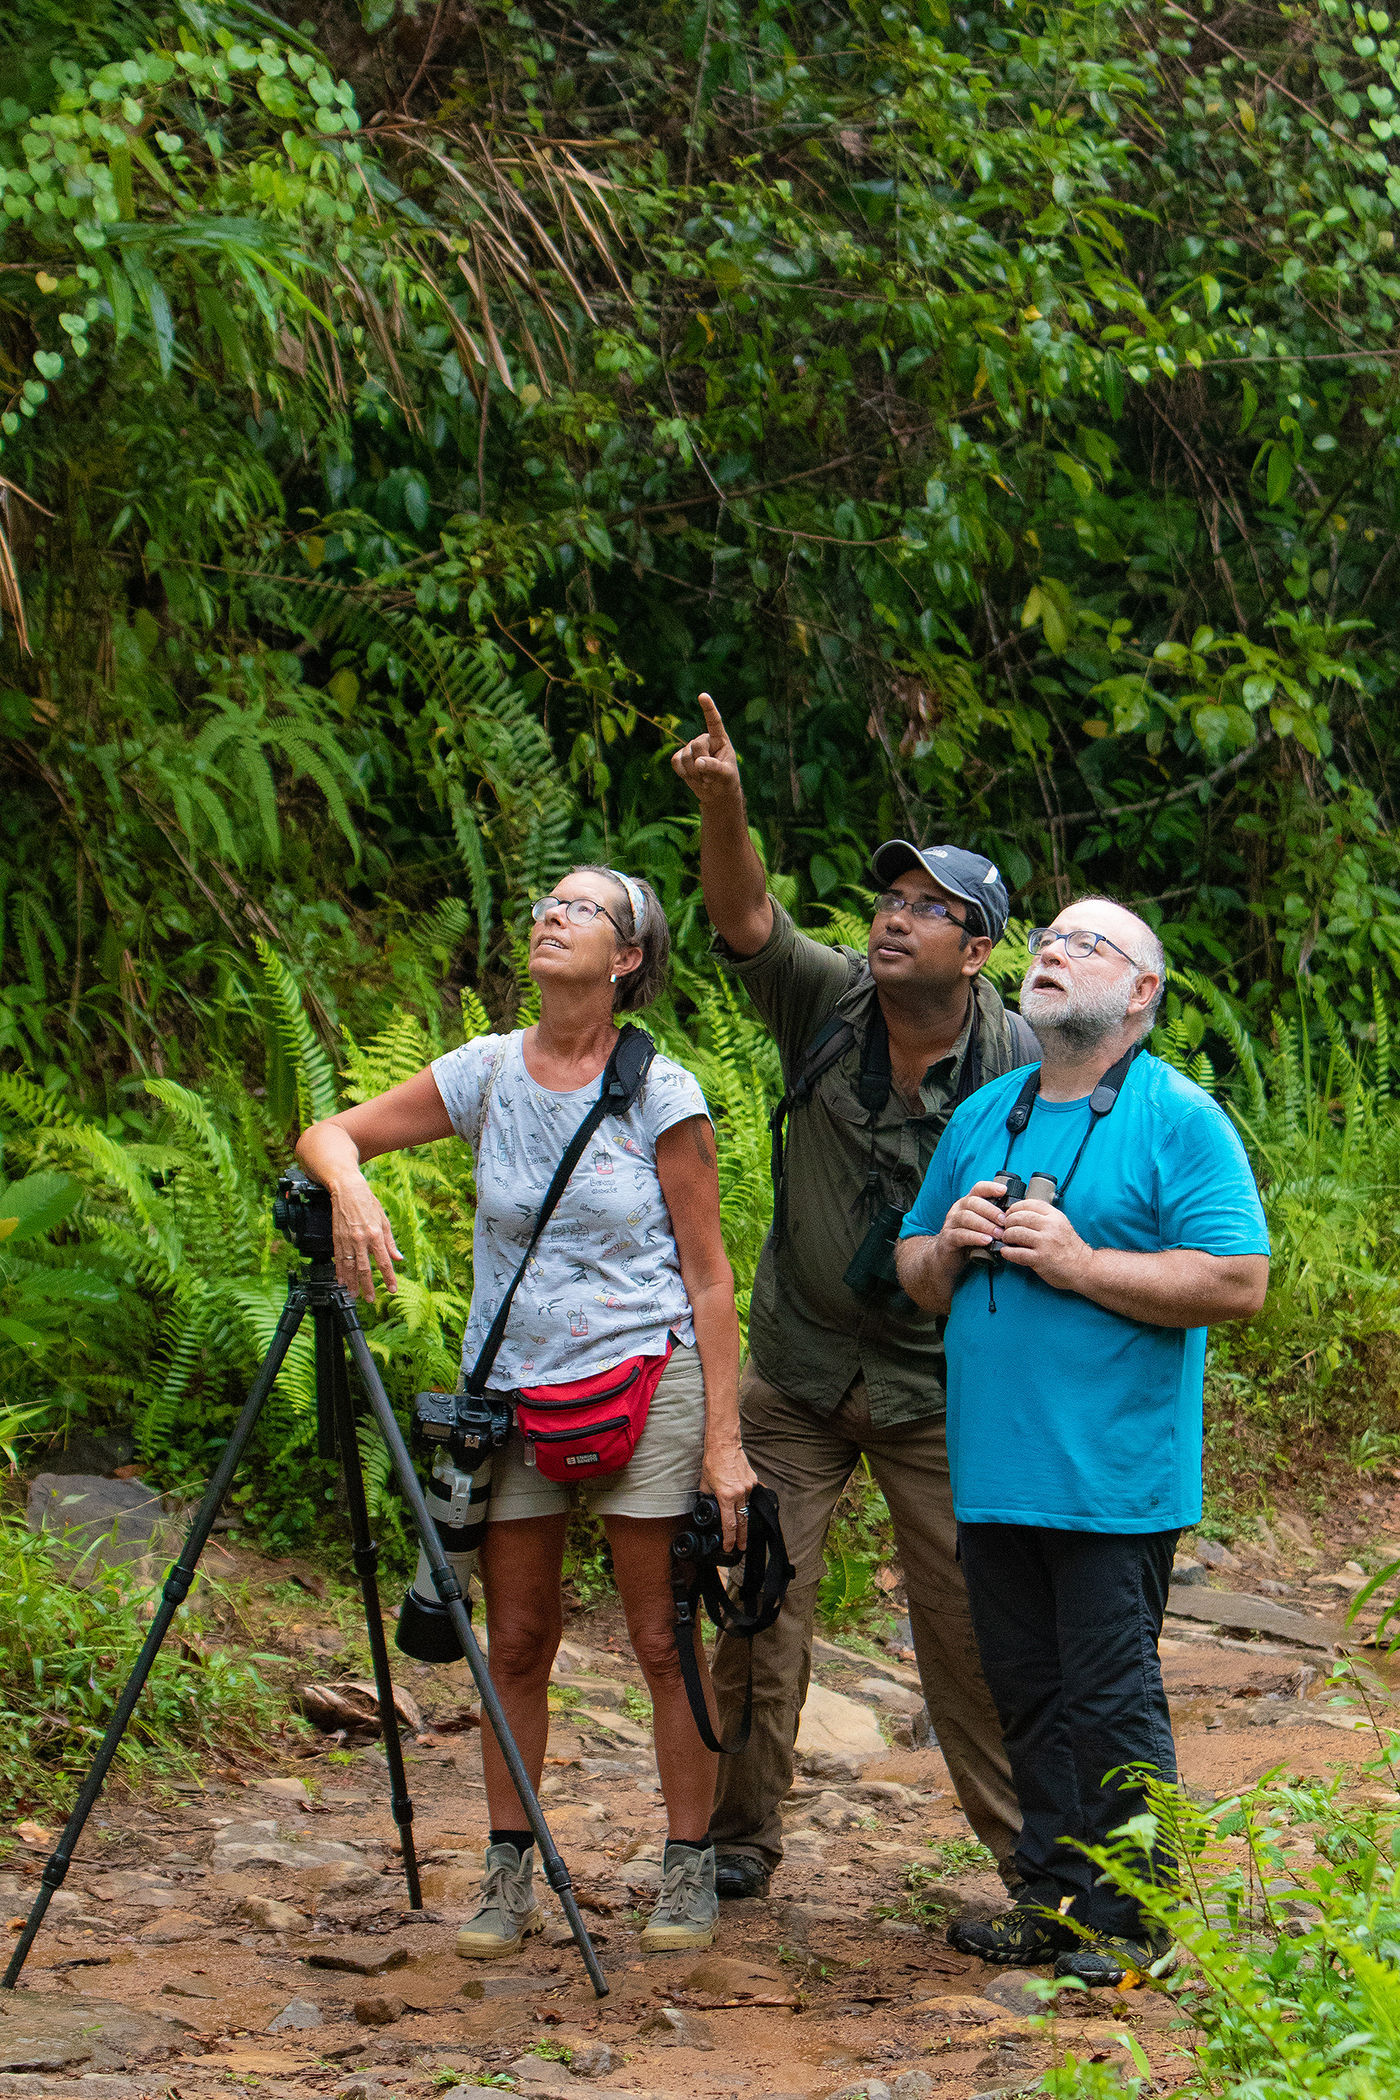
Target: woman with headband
point(630, 1265)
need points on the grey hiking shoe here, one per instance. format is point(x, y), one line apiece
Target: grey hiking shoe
point(687, 1910)
point(509, 1912)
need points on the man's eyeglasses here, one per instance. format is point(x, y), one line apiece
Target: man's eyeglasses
point(579, 911)
point(891, 901)
point(1078, 942)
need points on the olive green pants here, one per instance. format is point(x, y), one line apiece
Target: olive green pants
point(807, 1458)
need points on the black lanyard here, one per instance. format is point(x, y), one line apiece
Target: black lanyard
point(1102, 1102)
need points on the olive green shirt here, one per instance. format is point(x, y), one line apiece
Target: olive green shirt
point(809, 1335)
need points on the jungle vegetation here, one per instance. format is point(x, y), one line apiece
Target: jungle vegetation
point(407, 409)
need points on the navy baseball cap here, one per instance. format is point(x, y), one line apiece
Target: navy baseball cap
point(970, 876)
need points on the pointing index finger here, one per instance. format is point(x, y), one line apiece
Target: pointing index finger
point(714, 723)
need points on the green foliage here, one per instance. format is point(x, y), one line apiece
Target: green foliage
point(1321, 1121)
point(1289, 1919)
point(67, 1646)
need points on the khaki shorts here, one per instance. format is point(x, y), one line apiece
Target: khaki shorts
point(660, 1480)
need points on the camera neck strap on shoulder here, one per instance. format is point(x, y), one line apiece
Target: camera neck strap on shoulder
point(623, 1077)
point(1102, 1102)
point(751, 1608)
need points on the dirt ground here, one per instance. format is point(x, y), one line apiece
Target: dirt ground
point(248, 1930)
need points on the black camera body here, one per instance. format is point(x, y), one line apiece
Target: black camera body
point(470, 1424)
point(1041, 1188)
point(301, 1211)
point(871, 1274)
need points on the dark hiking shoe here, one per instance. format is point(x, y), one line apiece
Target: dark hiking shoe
point(739, 1874)
point(1023, 1938)
point(1104, 1963)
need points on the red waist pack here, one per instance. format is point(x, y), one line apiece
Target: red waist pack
point(591, 1425)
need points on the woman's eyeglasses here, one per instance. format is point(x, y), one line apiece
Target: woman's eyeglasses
point(579, 911)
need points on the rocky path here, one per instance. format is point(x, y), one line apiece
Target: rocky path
point(250, 1933)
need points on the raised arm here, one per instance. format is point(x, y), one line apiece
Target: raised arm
point(731, 873)
point(334, 1151)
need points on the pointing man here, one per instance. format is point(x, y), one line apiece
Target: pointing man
point(876, 1051)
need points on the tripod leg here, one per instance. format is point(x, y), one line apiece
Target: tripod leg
point(332, 1383)
point(173, 1594)
point(450, 1591)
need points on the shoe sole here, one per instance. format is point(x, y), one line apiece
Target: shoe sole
point(673, 1939)
point(486, 1947)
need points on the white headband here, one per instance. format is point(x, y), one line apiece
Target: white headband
point(636, 898)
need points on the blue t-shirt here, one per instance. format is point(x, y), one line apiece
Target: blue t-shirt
point(1059, 1412)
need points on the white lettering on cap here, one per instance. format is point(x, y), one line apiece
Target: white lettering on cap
point(991, 874)
point(938, 852)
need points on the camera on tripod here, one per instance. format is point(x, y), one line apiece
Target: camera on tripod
point(1041, 1188)
point(301, 1211)
point(459, 1432)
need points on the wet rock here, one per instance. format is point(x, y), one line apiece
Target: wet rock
point(380, 2011)
point(88, 2085)
point(290, 1790)
point(144, 1891)
point(343, 1878)
point(300, 2012)
point(109, 1522)
point(1213, 1555)
point(836, 1736)
point(265, 1914)
point(669, 2028)
point(884, 1793)
point(269, 1844)
point(1011, 1990)
point(832, 1811)
point(1186, 1570)
point(359, 1960)
point(40, 2031)
point(173, 1928)
point(721, 1980)
point(894, 1698)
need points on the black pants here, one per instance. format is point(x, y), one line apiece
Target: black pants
point(1067, 1624)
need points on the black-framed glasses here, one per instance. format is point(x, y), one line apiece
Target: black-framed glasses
point(579, 911)
point(890, 901)
point(1078, 942)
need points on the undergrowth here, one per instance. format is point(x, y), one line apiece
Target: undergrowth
point(1288, 1922)
point(67, 1644)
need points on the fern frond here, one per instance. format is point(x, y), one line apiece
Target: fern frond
point(315, 1074)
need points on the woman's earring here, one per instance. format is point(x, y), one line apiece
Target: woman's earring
point(613, 978)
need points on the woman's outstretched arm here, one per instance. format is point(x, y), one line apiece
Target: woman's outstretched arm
point(334, 1152)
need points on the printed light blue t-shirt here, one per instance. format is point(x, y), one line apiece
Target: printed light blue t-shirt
point(1061, 1413)
point(605, 1281)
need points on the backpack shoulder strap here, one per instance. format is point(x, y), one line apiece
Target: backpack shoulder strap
point(831, 1041)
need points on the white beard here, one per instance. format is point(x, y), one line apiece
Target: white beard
point(1070, 1021)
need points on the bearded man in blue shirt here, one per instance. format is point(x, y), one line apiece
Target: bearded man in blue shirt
point(1076, 1338)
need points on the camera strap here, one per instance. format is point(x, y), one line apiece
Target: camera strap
point(751, 1608)
point(1102, 1102)
point(623, 1077)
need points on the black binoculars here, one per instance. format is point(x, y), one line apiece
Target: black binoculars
point(1041, 1188)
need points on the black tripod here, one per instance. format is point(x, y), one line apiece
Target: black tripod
point(303, 1213)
